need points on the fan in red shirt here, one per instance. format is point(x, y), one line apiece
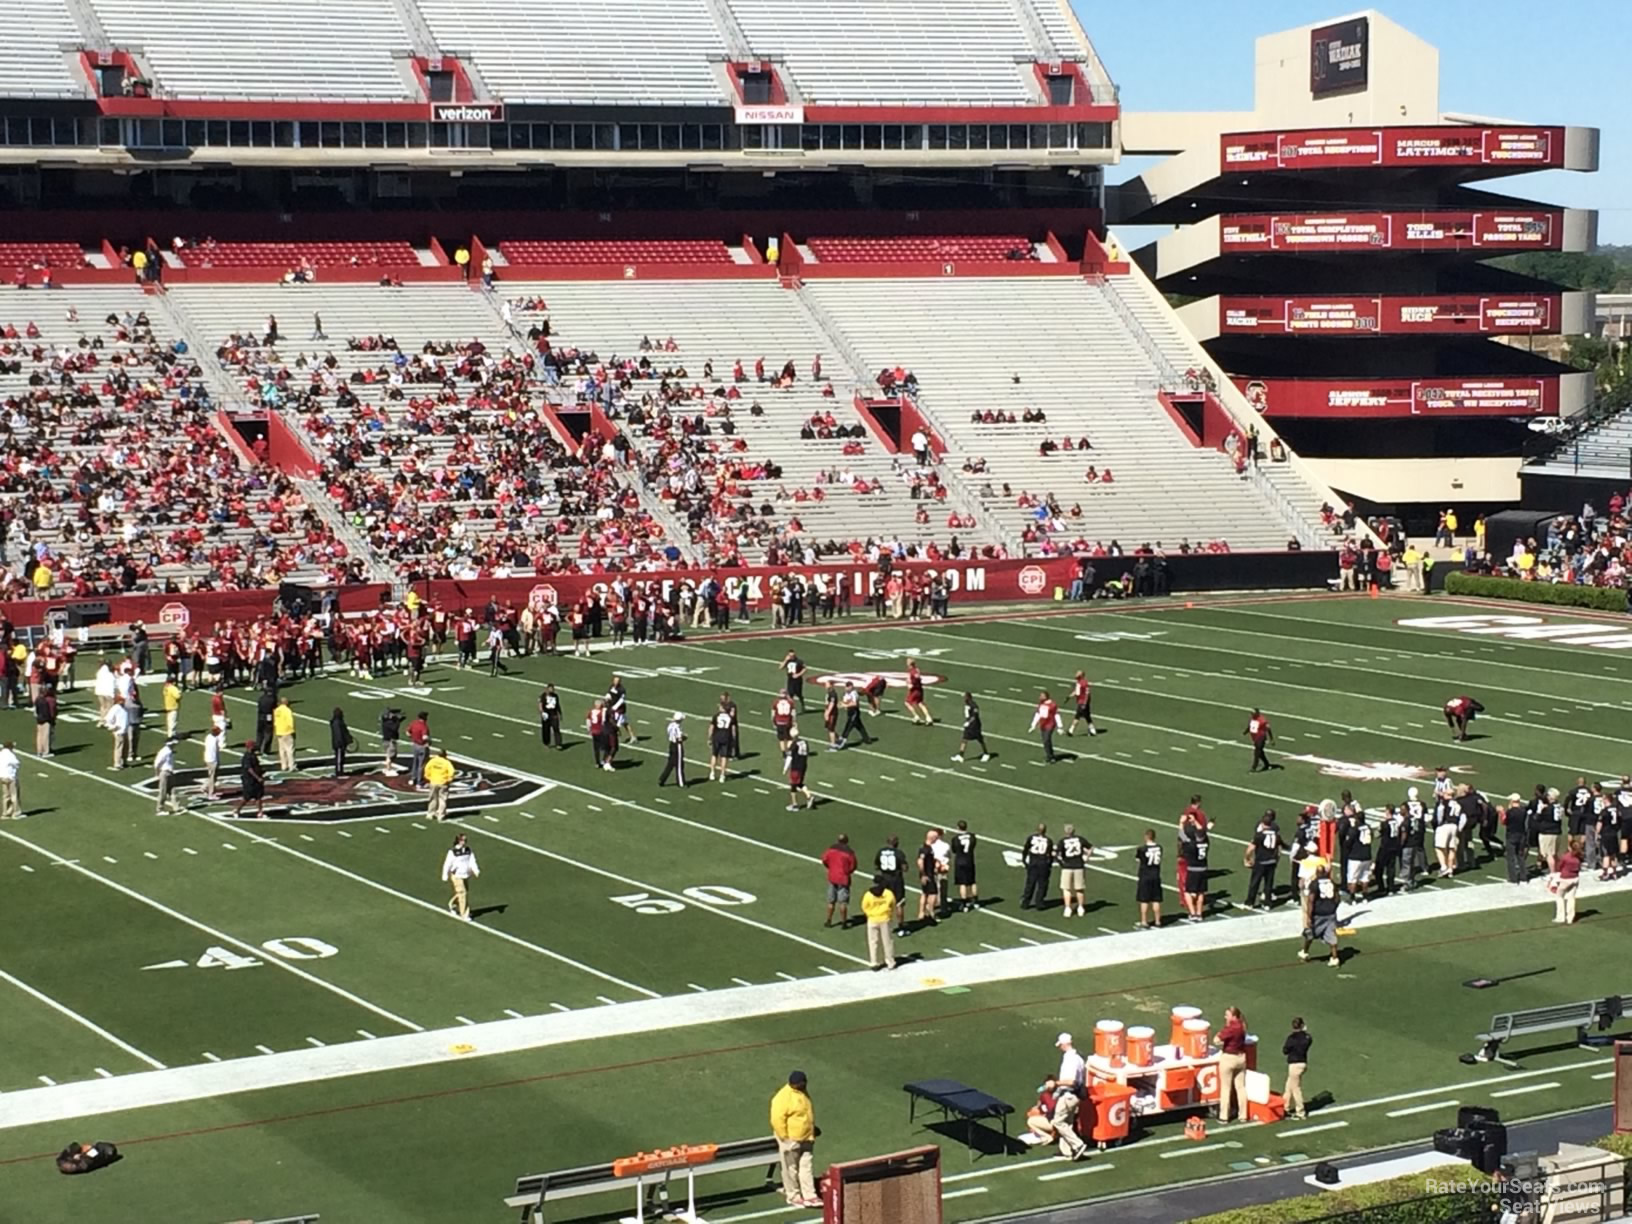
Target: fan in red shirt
point(1045, 721)
point(1459, 712)
point(1258, 730)
point(1082, 696)
point(840, 862)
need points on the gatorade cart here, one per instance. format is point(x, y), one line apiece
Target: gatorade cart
point(1130, 1076)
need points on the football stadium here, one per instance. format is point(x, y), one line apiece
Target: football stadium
point(597, 600)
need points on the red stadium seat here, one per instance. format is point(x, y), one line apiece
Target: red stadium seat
point(615, 251)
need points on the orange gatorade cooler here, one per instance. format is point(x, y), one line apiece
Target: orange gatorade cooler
point(1141, 1043)
point(1193, 1041)
point(1113, 1110)
point(1179, 1016)
point(1110, 1041)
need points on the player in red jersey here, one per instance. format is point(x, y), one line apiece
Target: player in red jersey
point(600, 737)
point(1045, 720)
point(915, 696)
point(1082, 696)
point(874, 689)
point(1459, 712)
point(1192, 812)
point(1260, 733)
point(782, 711)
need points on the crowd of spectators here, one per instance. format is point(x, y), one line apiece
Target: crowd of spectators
point(1589, 549)
point(116, 476)
point(447, 459)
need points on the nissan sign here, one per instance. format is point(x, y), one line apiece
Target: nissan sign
point(467, 112)
point(747, 116)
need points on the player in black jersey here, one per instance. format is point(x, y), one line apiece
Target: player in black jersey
point(549, 717)
point(719, 742)
point(971, 729)
point(1038, 856)
point(794, 765)
point(963, 867)
point(1073, 852)
point(793, 668)
point(1149, 890)
point(890, 863)
point(730, 707)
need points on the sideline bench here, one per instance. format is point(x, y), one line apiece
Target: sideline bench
point(1504, 1026)
point(537, 1189)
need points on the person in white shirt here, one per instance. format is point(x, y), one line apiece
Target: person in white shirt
point(213, 743)
point(10, 766)
point(104, 689)
point(459, 868)
point(117, 722)
point(1069, 1083)
point(920, 447)
point(164, 771)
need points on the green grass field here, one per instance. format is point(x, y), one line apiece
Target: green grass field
point(135, 940)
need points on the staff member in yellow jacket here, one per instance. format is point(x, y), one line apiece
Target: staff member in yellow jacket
point(283, 731)
point(439, 776)
point(793, 1122)
point(878, 905)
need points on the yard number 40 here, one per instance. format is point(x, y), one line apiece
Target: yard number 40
point(703, 894)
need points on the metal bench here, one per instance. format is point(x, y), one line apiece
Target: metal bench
point(537, 1189)
point(1504, 1026)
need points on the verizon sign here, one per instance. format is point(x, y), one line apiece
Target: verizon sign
point(467, 112)
point(748, 116)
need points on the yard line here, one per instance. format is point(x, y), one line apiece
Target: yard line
point(991, 947)
point(381, 829)
point(48, 1081)
point(464, 1020)
point(27, 868)
point(107, 859)
point(1079, 1171)
point(514, 1014)
point(1208, 1147)
point(1026, 939)
point(265, 1049)
point(149, 854)
point(1604, 1075)
point(786, 976)
point(951, 1194)
point(1507, 1092)
point(366, 1034)
point(607, 1001)
point(185, 849)
point(1310, 1130)
point(343, 833)
point(560, 1007)
point(208, 1057)
point(697, 988)
point(315, 1043)
point(653, 888)
point(741, 982)
point(221, 936)
point(1416, 1109)
point(307, 837)
point(103, 1072)
point(228, 846)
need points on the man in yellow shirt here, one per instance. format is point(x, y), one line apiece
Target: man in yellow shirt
point(793, 1122)
point(172, 708)
point(283, 731)
point(43, 580)
point(439, 775)
point(878, 904)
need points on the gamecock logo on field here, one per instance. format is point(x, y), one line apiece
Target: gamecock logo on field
point(174, 614)
point(542, 595)
point(1373, 771)
point(1033, 580)
point(863, 679)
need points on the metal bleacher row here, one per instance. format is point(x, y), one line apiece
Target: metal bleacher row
point(1054, 344)
point(305, 49)
point(31, 59)
point(94, 304)
point(728, 321)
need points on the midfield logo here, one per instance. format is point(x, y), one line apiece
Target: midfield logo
point(1373, 771)
point(367, 792)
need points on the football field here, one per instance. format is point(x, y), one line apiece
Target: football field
point(280, 1016)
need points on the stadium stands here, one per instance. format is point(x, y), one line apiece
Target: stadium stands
point(980, 248)
point(1056, 345)
point(112, 461)
point(594, 52)
point(299, 50)
point(211, 254)
point(613, 252)
point(765, 464)
point(444, 461)
point(15, 256)
point(32, 63)
point(1598, 450)
point(946, 52)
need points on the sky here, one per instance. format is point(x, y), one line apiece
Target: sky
point(1537, 61)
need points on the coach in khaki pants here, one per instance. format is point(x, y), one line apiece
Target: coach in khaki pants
point(10, 766)
point(459, 868)
point(793, 1122)
point(439, 776)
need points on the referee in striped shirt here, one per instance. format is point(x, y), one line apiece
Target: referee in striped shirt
point(676, 765)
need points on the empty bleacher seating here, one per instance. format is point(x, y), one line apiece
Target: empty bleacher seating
point(1055, 345)
point(965, 52)
point(592, 52)
point(31, 40)
point(284, 255)
point(983, 248)
point(615, 251)
point(301, 50)
point(15, 255)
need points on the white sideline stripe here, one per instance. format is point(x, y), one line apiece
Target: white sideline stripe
point(1078, 1172)
point(1416, 1109)
point(80, 1020)
point(1209, 1147)
point(222, 936)
point(1526, 1088)
point(243, 831)
point(948, 1194)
